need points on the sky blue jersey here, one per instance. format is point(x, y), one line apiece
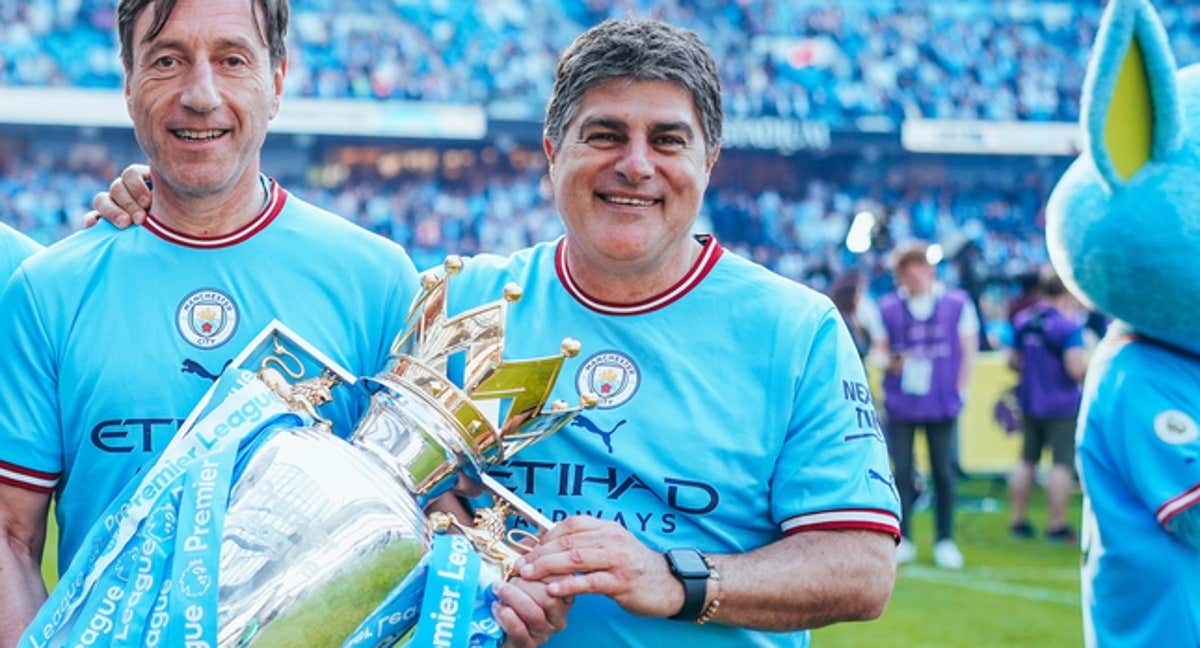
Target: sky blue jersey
point(111, 337)
point(1139, 459)
point(733, 411)
point(14, 248)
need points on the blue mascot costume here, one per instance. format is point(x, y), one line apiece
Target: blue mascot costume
point(1123, 227)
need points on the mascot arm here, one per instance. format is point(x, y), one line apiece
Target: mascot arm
point(1157, 437)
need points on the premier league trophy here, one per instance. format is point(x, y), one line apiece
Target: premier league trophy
point(322, 541)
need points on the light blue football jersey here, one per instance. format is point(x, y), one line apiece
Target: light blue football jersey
point(733, 411)
point(112, 337)
point(14, 248)
point(1139, 459)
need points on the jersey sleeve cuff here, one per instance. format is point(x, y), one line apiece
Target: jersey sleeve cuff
point(1177, 505)
point(867, 519)
point(33, 480)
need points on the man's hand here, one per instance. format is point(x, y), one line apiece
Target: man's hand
point(528, 613)
point(584, 555)
point(126, 202)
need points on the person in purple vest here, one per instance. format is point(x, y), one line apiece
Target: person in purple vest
point(931, 337)
point(1048, 354)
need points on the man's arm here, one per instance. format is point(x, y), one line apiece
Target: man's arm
point(22, 538)
point(806, 580)
point(1075, 363)
point(969, 330)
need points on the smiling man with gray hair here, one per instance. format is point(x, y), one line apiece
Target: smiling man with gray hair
point(732, 487)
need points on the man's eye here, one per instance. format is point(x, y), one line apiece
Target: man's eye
point(601, 137)
point(235, 61)
point(164, 62)
point(670, 141)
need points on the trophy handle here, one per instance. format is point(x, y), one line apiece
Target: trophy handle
point(519, 506)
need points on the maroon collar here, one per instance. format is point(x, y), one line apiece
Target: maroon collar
point(709, 255)
point(276, 197)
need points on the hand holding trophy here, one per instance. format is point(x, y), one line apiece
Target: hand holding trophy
point(260, 527)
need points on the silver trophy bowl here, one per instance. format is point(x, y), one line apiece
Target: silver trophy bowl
point(319, 529)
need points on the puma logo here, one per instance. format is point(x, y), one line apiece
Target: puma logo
point(891, 482)
point(193, 367)
point(587, 424)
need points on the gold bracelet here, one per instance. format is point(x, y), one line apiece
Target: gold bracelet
point(710, 610)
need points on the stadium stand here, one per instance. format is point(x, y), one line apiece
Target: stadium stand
point(853, 68)
point(869, 63)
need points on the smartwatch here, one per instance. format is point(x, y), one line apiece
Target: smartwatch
point(690, 567)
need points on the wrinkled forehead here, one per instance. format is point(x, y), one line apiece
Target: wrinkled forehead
point(196, 21)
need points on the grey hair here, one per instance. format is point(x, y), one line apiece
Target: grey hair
point(640, 50)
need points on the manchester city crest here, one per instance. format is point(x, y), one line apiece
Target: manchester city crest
point(611, 375)
point(207, 318)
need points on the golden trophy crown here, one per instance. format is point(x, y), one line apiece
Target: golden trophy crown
point(421, 359)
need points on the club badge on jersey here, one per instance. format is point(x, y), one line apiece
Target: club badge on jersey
point(207, 318)
point(611, 375)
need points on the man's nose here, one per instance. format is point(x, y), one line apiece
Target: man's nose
point(635, 165)
point(201, 93)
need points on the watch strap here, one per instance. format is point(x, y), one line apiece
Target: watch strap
point(695, 591)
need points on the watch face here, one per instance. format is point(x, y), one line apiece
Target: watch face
point(687, 563)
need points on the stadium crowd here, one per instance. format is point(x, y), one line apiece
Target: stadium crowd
point(865, 64)
point(992, 235)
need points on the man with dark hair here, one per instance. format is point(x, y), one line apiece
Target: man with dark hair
point(113, 336)
point(1047, 353)
point(15, 247)
point(734, 481)
point(931, 338)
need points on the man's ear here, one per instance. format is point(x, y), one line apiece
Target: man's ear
point(278, 77)
point(712, 160)
point(128, 90)
point(548, 147)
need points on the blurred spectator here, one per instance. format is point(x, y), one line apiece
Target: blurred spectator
point(931, 341)
point(798, 230)
point(848, 295)
point(1048, 355)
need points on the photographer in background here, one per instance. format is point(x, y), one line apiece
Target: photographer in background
point(1048, 355)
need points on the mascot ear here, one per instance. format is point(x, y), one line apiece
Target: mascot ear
point(1130, 110)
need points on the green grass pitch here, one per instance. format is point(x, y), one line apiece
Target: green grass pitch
point(1010, 593)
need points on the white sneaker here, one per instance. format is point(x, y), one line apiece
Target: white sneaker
point(947, 555)
point(906, 552)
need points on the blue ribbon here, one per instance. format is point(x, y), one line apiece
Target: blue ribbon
point(197, 557)
point(146, 573)
point(128, 585)
point(448, 597)
point(450, 588)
